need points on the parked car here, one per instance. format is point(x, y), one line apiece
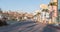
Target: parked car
point(3, 20)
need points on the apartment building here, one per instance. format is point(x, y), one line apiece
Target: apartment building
point(53, 9)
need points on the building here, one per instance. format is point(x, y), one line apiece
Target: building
point(58, 10)
point(58, 4)
point(53, 9)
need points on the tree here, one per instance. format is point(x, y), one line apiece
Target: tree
point(45, 10)
point(38, 13)
point(0, 10)
point(53, 3)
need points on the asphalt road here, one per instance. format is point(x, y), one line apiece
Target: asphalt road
point(28, 26)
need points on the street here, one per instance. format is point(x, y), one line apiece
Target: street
point(28, 26)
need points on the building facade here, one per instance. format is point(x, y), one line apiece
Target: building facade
point(53, 9)
point(59, 10)
point(58, 4)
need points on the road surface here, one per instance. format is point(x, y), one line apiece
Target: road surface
point(28, 26)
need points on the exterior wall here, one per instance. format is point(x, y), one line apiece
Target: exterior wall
point(54, 0)
point(51, 8)
point(54, 9)
point(58, 4)
point(59, 11)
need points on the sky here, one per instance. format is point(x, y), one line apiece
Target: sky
point(22, 5)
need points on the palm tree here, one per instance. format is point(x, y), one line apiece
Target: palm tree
point(38, 16)
point(53, 4)
point(45, 10)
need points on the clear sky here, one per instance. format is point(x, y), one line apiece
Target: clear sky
point(25, 5)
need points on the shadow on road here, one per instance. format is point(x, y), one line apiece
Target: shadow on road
point(48, 29)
